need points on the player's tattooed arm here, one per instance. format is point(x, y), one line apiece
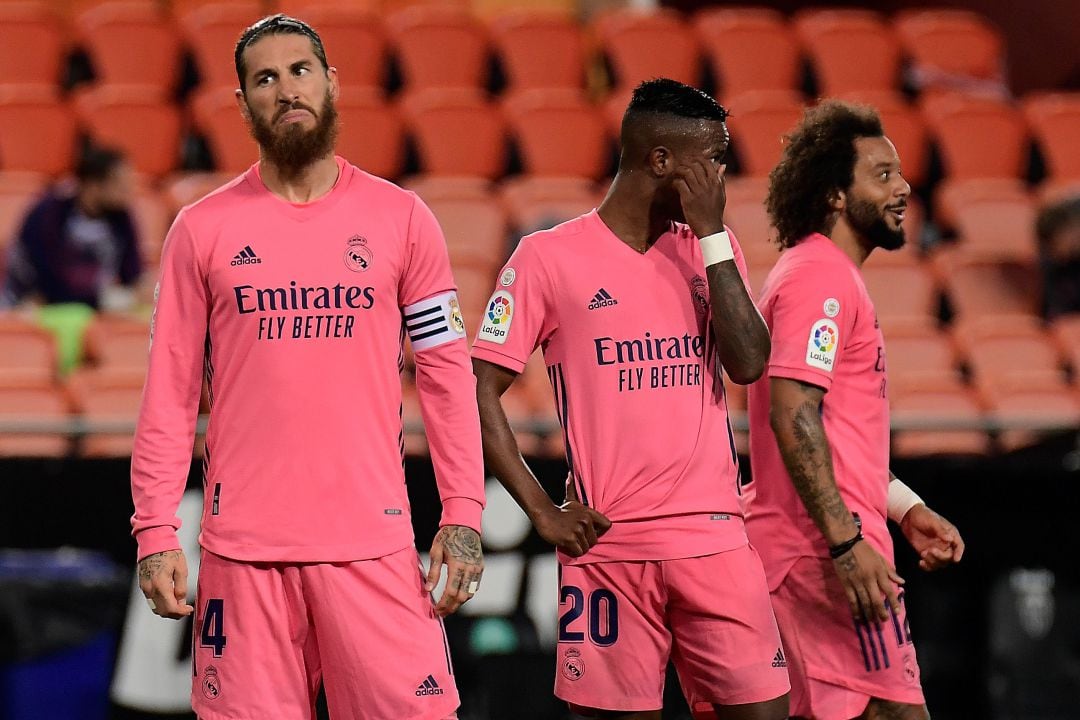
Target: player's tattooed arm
point(462, 543)
point(163, 580)
point(151, 565)
point(742, 337)
point(795, 417)
point(459, 548)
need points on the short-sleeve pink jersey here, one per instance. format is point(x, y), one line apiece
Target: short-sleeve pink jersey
point(296, 315)
point(824, 332)
point(627, 341)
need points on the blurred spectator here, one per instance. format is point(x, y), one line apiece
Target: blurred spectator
point(1058, 231)
point(78, 244)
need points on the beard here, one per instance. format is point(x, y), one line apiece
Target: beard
point(869, 221)
point(292, 148)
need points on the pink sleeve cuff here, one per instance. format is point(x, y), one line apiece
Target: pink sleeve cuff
point(461, 511)
point(495, 357)
point(156, 539)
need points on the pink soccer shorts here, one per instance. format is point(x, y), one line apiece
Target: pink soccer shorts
point(837, 664)
point(267, 634)
point(620, 622)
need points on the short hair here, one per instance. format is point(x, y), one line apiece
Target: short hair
point(818, 160)
point(279, 24)
point(96, 164)
point(1055, 217)
point(664, 96)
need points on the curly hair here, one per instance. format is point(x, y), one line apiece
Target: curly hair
point(818, 159)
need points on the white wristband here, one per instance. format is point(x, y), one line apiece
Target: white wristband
point(901, 499)
point(716, 248)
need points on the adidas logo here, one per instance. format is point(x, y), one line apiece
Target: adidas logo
point(602, 299)
point(779, 661)
point(246, 257)
point(428, 687)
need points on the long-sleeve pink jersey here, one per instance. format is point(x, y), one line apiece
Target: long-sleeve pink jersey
point(296, 314)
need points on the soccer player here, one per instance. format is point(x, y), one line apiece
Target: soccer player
point(638, 305)
point(294, 286)
point(819, 430)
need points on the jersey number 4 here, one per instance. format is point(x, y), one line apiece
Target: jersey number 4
point(603, 616)
point(212, 634)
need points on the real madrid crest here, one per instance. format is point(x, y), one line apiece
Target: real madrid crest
point(573, 667)
point(699, 291)
point(456, 321)
point(358, 254)
point(211, 684)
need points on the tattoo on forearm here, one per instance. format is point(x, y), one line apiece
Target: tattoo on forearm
point(809, 463)
point(742, 337)
point(462, 543)
point(150, 566)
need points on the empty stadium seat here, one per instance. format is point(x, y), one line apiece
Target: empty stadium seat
point(919, 410)
point(537, 203)
point(1045, 411)
point(475, 232)
point(977, 137)
point(133, 119)
point(1017, 362)
point(748, 49)
point(32, 41)
point(118, 342)
point(224, 128)
point(850, 50)
point(1066, 331)
point(439, 47)
point(745, 214)
point(539, 49)
point(457, 132)
point(953, 43)
point(186, 188)
point(133, 43)
point(759, 122)
point(558, 133)
point(211, 31)
point(1055, 122)
point(1003, 288)
point(641, 45)
point(902, 294)
point(22, 406)
point(38, 130)
point(372, 133)
point(114, 407)
point(997, 230)
point(152, 215)
point(921, 360)
point(950, 195)
point(29, 354)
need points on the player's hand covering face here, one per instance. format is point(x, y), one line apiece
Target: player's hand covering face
point(703, 196)
point(459, 548)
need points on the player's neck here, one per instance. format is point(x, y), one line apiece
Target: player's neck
point(632, 218)
point(853, 244)
point(301, 186)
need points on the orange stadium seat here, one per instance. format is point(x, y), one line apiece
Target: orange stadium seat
point(29, 354)
point(1000, 288)
point(38, 130)
point(904, 126)
point(32, 43)
point(457, 132)
point(372, 134)
point(748, 49)
point(539, 49)
point(475, 232)
point(558, 133)
point(953, 42)
point(134, 120)
point(538, 203)
point(759, 122)
point(1055, 122)
point(947, 407)
point(1015, 362)
point(950, 195)
point(902, 295)
point(354, 42)
point(475, 286)
point(119, 343)
point(21, 405)
point(1066, 330)
point(434, 188)
point(1041, 407)
point(219, 121)
point(922, 360)
point(978, 137)
point(745, 214)
point(186, 188)
point(302, 8)
point(641, 45)
point(439, 46)
point(110, 405)
point(850, 50)
point(133, 43)
point(152, 215)
point(211, 31)
point(997, 230)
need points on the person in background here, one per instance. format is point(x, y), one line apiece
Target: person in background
point(1058, 231)
point(79, 245)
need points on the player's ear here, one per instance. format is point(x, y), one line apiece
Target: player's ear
point(661, 161)
point(241, 102)
point(837, 199)
point(335, 85)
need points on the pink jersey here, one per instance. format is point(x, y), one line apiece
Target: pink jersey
point(297, 314)
point(627, 340)
point(824, 332)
